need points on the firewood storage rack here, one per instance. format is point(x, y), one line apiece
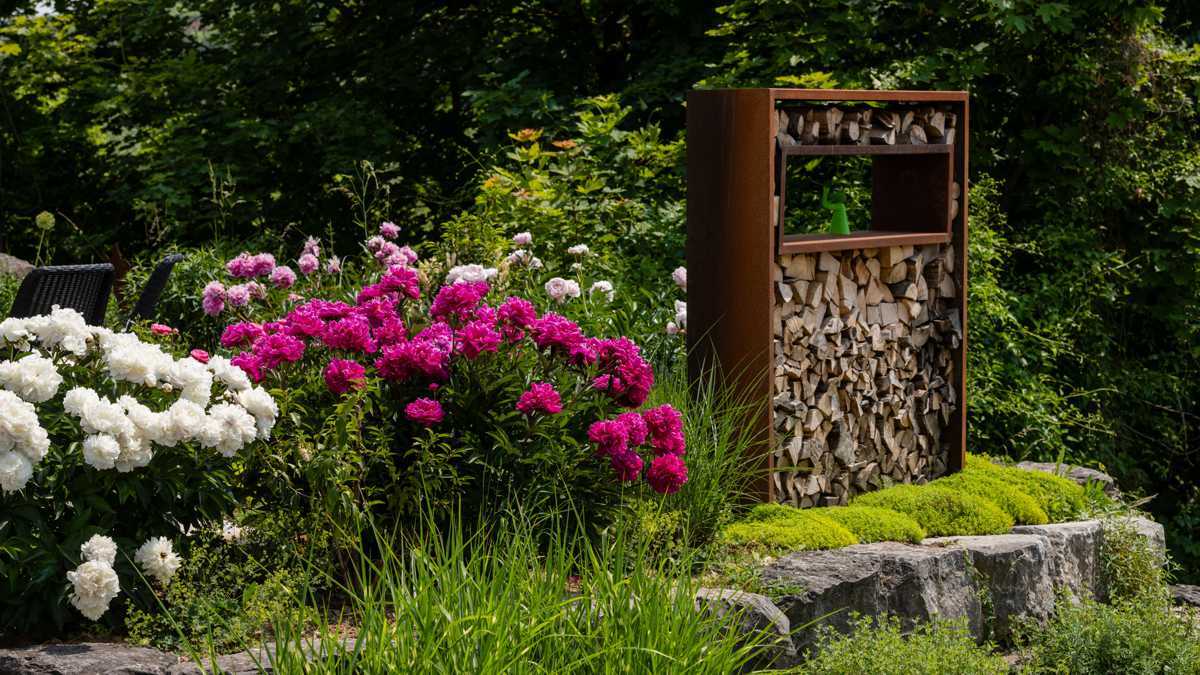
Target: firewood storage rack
point(914, 253)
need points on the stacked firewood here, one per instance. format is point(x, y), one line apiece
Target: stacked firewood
point(866, 126)
point(865, 344)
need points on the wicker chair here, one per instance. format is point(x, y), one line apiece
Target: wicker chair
point(84, 288)
point(155, 285)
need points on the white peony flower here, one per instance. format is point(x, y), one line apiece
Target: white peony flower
point(231, 532)
point(14, 331)
point(231, 376)
point(101, 451)
point(77, 399)
point(522, 239)
point(518, 257)
point(470, 273)
point(33, 378)
point(158, 559)
point(99, 549)
point(182, 422)
point(679, 276)
point(681, 314)
point(579, 250)
point(136, 452)
point(192, 378)
point(20, 429)
point(15, 471)
point(604, 287)
point(96, 584)
point(228, 429)
point(560, 289)
point(535, 264)
point(63, 328)
point(259, 403)
point(130, 360)
point(672, 328)
point(102, 416)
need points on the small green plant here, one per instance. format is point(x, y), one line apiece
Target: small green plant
point(940, 511)
point(871, 524)
point(1061, 499)
point(1132, 569)
point(1023, 508)
point(779, 527)
point(879, 646)
point(1128, 637)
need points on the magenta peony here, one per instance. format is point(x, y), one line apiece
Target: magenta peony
point(635, 427)
point(242, 333)
point(342, 375)
point(628, 465)
point(540, 398)
point(556, 333)
point(667, 474)
point(515, 315)
point(273, 350)
point(610, 436)
point(666, 430)
point(458, 301)
point(352, 334)
point(424, 411)
point(249, 363)
point(477, 337)
point(626, 376)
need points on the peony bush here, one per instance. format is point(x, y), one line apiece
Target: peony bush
point(107, 442)
point(447, 386)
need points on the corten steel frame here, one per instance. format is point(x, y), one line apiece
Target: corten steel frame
point(732, 167)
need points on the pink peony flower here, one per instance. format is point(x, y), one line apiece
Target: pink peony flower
point(389, 230)
point(635, 427)
point(311, 247)
point(251, 364)
point(424, 411)
point(477, 337)
point(679, 276)
point(540, 398)
point(247, 266)
point(402, 280)
point(522, 239)
point(351, 334)
point(273, 350)
point(295, 297)
point(303, 322)
point(628, 465)
point(626, 376)
point(238, 295)
point(199, 354)
point(341, 375)
point(162, 329)
point(242, 333)
point(667, 474)
point(256, 290)
point(333, 265)
point(610, 436)
point(458, 300)
point(213, 298)
point(283, 277)
point(408, 255)
point(391, 331)
point(666, 430)
point(388, 253)
point(556, 333)
point(515, 315)
point(308, 263)
point(403, 361)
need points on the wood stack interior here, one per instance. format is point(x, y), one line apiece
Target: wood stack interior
point(864, 125)
point(864, 370)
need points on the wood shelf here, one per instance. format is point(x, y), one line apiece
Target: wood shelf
point(822, 241)
point(927, 149)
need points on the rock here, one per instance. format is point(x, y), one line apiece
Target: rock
point(1079, 474)
point(241, 663)
point(1186, 595)
point(758, 614)
point(85, 658)
point(1075, 548)
point(915, 583)
point(1016, 570)
point(1153, 533)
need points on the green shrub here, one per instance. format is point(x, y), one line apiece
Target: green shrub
point(783, 527)
point(1017, 503)
point(870, 524)
point(878, 646)
point(941, 511)
point(1128, 637)
point(1131, 568)
point(1060, 498)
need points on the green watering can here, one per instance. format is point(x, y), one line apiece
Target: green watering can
point(840, 224)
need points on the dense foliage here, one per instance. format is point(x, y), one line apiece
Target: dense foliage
point(145, 124)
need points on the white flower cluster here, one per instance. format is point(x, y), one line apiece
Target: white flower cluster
point(469, 273)
point(579, 250)
point(33, 378)
point(121, 433)
point(560, 289)
point(62, 328)
point(679, 325)
point(604, 287)
point(23, 441)
point(95, 582)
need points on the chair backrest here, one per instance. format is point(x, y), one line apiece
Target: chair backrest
point(155, 285)
point(84, 288)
